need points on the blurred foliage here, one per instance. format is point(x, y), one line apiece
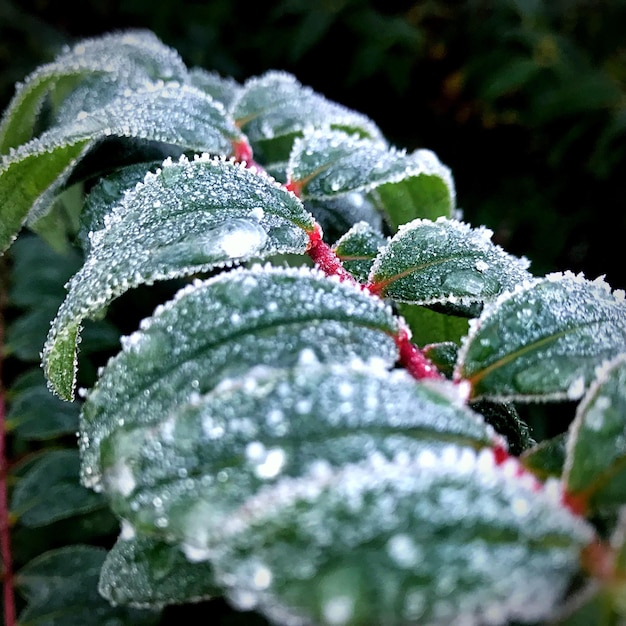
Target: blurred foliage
point(523, 99)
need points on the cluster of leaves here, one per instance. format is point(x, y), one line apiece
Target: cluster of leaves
point(269, 432)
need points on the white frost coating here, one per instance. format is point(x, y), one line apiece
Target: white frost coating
point(120, 478)
point(127, 530)
point(195, 554)
point(272, 464)
point(338, 610)
point(404, 551)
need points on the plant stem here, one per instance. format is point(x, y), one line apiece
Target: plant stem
point(5, 537)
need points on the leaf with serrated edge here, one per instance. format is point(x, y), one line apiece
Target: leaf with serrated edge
point(220, 328)
point(188, 217)
point(143, 571)
point(595, 465)
point(443, 261)
point(218, 450)
point(543, 340)
point(33, 173)
point(392, 542)
point(358, 248)
point(132, 57)
point(324, 164)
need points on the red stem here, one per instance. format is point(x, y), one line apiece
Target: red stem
point(5, 537)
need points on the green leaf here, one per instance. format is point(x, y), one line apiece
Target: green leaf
point(428, 326)
point(544, 340)
point(32, 174)
point(36, 414)
point(105, 195)
point(595, 466)
point(358, 248)
point(50, 491)
point(61, 589)
point(130, 57)
point(273, 109)
point(222, 89)
point(546, 458)
point(188, 217)
point(429, 262)
point(325, 164)
point(337, 215)
point(220, 328)
point(430, 539)
point(506, 421)
point(142, 571)
point(250, 431)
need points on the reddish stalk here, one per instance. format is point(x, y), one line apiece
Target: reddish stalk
point(5, 537)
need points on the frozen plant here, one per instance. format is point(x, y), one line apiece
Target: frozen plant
point(320, 424)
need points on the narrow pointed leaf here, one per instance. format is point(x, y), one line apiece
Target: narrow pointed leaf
point(222, 327)
point(595, 466)
point(188, 217)
point(250, 431)
point(358, 248)
point(50, 491)
point(445, 261)
point(430, 539)
point(142, 571)
point(324, 164)
point(130, 58)
point(274, 108)
point(32, 174)
point(544, 340)
point(61, 587)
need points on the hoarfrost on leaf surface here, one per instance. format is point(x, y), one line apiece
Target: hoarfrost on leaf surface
point(544, 339)
point(188, 217)
point(443, 261)
point(429, 538)
point(218, 329)
point(210, 455)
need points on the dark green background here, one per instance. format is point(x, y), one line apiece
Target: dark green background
point(525, 100)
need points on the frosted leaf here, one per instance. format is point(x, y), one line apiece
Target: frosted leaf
point(129, 58)
point(274, 108)
point(216, 330)
point(358, 248)
point(596, 445)
point(434, 538)
point(105, 195)
point(31, 175)
point(271, 423)
point(189, 217)
point(222, 89)
point(146, 572)
point(429, 263)
point(324, 164)
point(541, 339)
